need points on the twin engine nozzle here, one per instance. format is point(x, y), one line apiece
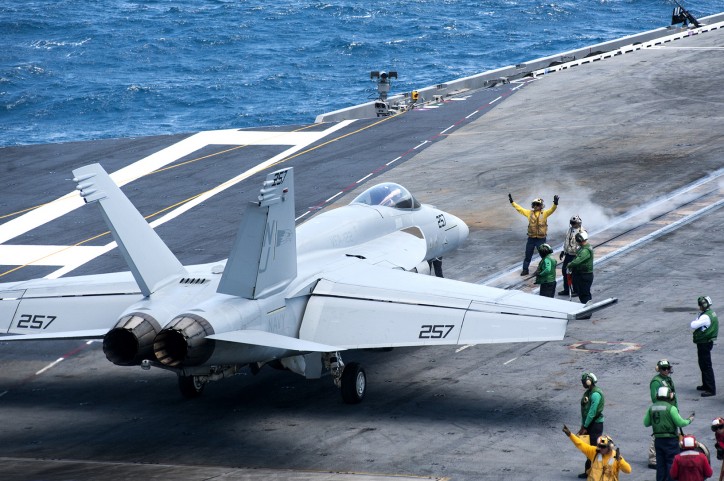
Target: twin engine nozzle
point(138, 336)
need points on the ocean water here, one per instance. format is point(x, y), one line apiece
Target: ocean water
point(95, 69)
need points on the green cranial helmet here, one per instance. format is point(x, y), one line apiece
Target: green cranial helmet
point(704, 302)
point(544, 250)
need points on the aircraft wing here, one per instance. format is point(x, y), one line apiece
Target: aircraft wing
point(66, 308)
point(369, 306)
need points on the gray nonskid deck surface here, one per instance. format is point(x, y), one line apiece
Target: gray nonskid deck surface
point(606, 137)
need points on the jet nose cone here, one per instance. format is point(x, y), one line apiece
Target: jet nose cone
point(463, 230)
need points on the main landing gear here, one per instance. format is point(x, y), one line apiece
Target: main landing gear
point(350, 378)
point(191, 386)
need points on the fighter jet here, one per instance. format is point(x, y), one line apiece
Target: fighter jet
point(296, 297)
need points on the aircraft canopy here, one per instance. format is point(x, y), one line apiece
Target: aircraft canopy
point(388, 194)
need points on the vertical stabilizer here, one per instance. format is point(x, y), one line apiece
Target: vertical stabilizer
point(264, 258)
point(150, 260)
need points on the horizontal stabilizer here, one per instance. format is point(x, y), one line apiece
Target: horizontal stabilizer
point(151, 262)
point(268, 339)
point(87, 334)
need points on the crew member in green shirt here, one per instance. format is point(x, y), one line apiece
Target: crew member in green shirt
point(664, 418)
point(662, 378)
point(592, 403)
point(545, 275)
point(706, 329)
point(582, 268)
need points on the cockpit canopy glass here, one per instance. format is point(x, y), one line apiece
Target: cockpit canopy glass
point(388, 194)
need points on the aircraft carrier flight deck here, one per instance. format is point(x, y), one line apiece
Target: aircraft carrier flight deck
point(632, 143)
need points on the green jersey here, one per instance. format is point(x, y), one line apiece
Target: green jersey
point(664, 418)
point(546, 270)
point(662, 381)
point(592, 407)
point(707, 334)
point(583, 263)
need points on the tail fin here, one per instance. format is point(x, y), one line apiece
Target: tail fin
point(264, 258)
point(150, 260)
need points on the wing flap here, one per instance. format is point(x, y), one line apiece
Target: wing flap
point(269, 339)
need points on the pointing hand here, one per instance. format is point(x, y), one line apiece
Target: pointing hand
point(510, 198)
point(566, 430)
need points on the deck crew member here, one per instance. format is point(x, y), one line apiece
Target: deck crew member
point(537, 226)
point(592, 403)
point(662, 378)
point(663, 417)
point(570, 247)
point(605, 458)
point(690, 464)
point(546, 272)
point(706, 329)
point(582, 267)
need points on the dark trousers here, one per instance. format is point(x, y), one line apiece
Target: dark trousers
point(436, 265)
point(595, 430)
point(666, 450)
point(548, 289)
point(703, 352)
point(583, 282)
point(566, 259)
point(530, 247)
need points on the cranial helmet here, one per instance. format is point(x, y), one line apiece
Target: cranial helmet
point(588, 379)
point(717, 424)
point(663, 364)
point(688, 442)
point(665, 393)
point(576, 220)
point(604, 441)
point(704, 301)
point(582, 237)
point(544, 250)
point(537, 201)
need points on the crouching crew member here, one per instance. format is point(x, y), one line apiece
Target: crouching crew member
point(690, 464)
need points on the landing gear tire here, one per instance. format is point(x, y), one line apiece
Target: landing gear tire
point(191, 386)
point(354, 383)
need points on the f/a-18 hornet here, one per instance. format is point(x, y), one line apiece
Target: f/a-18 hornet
point(294, 297)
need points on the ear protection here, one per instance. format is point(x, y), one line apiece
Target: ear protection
point(663, 364)
point(704, 301)
point(588, 379)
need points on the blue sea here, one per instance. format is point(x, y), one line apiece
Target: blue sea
point(78, 70)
